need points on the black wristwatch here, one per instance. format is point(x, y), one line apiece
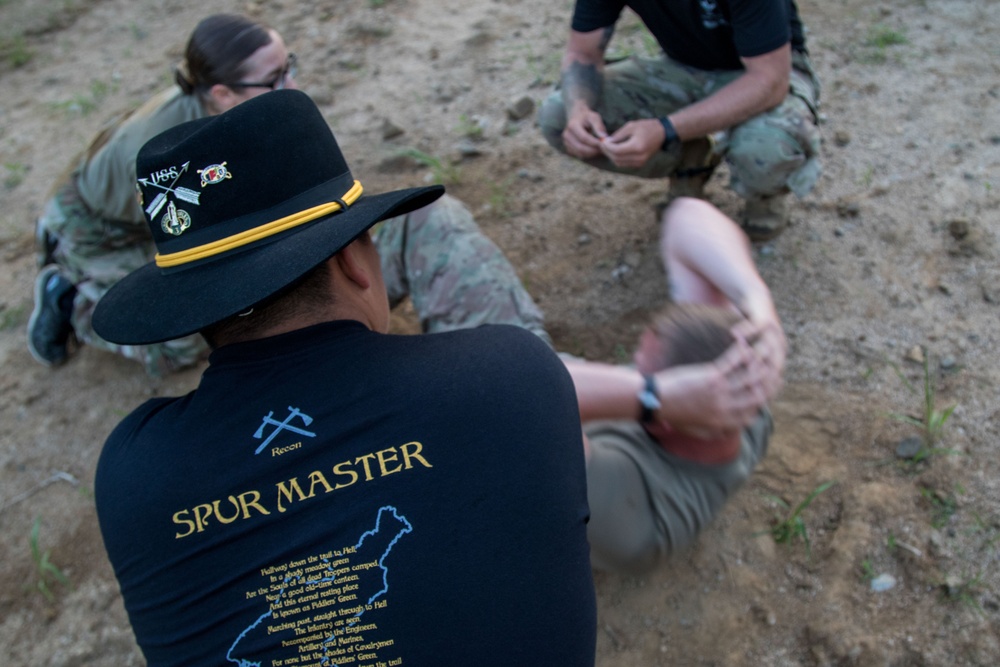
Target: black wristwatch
point(648, 399)
point(670, 133)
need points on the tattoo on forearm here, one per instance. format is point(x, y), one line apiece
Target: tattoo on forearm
point(581, 82)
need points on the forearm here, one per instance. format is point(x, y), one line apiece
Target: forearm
point(581, 84)
point(762, 86)
point(701, 246)
point(604, 391)
point(583, 68)
point(711, 399)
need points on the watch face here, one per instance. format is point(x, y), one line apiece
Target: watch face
point(649, 400)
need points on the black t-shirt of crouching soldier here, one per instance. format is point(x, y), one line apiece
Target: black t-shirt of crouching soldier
point(705, 34)
point(334, 496)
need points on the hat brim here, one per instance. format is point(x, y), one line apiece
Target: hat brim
point(151, 306)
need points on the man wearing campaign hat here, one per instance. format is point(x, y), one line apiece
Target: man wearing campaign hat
point(330, 494)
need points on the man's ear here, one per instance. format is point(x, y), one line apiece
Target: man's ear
point(350, 263)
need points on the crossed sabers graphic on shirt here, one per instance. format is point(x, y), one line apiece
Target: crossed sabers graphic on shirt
point(182, 193)
point(282, 426)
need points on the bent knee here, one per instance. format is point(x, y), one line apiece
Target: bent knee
point(551, 120)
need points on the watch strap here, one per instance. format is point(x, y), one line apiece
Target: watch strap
point(649, 399)
point(669, 133)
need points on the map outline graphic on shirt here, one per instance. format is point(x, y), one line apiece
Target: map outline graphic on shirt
point(405, 527)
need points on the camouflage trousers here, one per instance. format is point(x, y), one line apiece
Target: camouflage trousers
point(768, 154)
point(455, 276)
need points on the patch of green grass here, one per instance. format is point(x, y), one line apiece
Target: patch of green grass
point(931, 422)
point(468, 127)
point(15, 51)
point(878, 40)
point(45, 570)
point(84, 104)
point(867, 570)
point(443, 172)
point(544, 68)
point(16, 172)
point(882, 37)
point(943, 506)
point(965, 590)
point(139, 33)
point(12, 317)
point(786, 529)
point(868, 176)
point(499, 199)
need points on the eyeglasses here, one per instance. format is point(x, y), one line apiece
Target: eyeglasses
point(278, 82)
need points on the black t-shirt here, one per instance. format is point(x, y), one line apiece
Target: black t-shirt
point(337, 496)
point(706, 34)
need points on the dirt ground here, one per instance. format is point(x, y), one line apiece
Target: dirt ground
point(890, 260)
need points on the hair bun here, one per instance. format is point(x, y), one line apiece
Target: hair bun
point(182, 76)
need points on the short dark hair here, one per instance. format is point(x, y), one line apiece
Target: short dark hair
point(692, 333)
point(217, 50)
point(308, 293)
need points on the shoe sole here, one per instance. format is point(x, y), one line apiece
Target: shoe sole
point(762, 235)
point(41, 280)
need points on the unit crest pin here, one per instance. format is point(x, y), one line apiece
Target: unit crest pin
point(175, 220)
point(214, 173)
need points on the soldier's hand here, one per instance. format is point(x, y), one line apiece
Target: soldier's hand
point(584, 132)
point(634, 143)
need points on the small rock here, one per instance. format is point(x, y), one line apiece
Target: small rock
point(848, 209)
point(467, 149)
point(620, 271)
point(842, 138)
point(533, 176)
point(883, 582)
point(916, 354)
point(583, 239)
point(991, 293)
point(521, 108)
point(958, 229)
point(479, 39)
point(953, 585)
point(390, 130)
point(948, 363)
point(909, 447)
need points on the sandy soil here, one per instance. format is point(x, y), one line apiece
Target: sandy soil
point(891, 259)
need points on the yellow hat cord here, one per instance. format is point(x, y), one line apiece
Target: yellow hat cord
point(258, 233)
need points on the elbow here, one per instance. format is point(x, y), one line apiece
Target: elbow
point(775, 91)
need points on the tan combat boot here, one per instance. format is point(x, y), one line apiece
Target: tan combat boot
point(764, 218)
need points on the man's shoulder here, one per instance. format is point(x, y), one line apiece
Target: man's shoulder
point(499, 340)
point(129, 428)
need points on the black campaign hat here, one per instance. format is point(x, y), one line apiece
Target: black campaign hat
point(240, 206)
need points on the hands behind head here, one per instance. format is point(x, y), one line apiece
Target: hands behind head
point(719, 398)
